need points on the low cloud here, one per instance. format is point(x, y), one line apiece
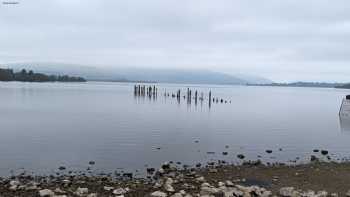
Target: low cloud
point(281, 40)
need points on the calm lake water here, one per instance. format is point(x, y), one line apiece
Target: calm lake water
point(47, 125)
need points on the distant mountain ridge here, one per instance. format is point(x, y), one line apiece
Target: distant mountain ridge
point(141, 74)
point(343, 86)
point(304, 84)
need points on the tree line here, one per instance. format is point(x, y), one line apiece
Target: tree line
point(30, 76)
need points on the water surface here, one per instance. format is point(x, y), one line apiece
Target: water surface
point(46, 125)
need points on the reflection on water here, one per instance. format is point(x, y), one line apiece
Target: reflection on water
point(344, 123)
point(344, 115)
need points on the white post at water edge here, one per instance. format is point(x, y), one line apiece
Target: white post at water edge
point(345, 107)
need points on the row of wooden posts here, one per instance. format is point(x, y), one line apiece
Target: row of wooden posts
point(152, 91)
point(145, 90)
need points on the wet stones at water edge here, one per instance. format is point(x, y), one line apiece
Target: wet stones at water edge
point(128, 175)
point(314, 158)
point(268, 151)
point(210, 163)
point(166, 166)
point(212, 181)
point(62, 168)
point(252, 163)
point(150, 170)
point(223, 189)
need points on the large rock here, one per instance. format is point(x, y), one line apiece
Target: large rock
point(59, 191)
point(169, 181)
point(229, 184)
point(31, 187)
point(168, 185)
point(158, 194)
point(288, 192)
point(209, 191)
point(200, 179)
point(177, 195)
point(221, 184)
point(229, 192)
point(82, 191)
point(322, 194)
point(46, 193)
point(13, 187)
point(14, 183)
point(205, 185)
point(169, 188)
point(119, 191)
point(108, 188)
point(348, 193)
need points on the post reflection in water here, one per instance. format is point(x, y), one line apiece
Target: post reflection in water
point(344, 115)
point(344, 123)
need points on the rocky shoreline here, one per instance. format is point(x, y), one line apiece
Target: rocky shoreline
point(316, 179)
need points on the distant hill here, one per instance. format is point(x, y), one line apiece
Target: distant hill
point(302, 84)
point(343, 86)
point(142, 74)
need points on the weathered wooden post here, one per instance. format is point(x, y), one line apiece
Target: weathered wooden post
point(209, 99)
point(188, 93)
point(209, 96)
point(178, 96)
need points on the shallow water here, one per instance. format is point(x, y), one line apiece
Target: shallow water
point(47, 125)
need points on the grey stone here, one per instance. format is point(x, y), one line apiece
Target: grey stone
point(82, 191)
point(46, 193)
point(158, 194)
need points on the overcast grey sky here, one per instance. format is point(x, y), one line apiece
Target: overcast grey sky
point(284, 40)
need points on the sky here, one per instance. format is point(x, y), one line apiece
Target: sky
point(283, 40)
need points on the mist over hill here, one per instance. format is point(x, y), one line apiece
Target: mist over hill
point(140, 74)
